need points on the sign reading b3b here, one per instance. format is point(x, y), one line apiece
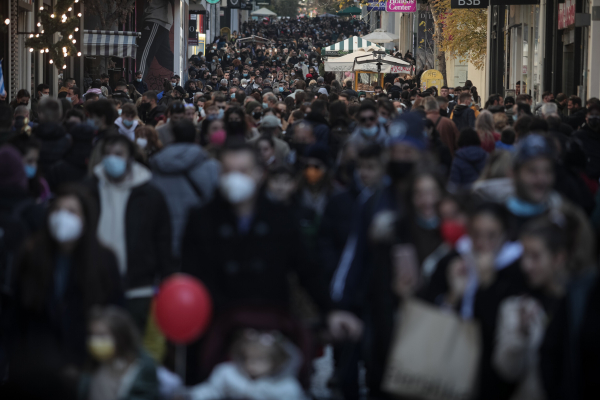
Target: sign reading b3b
point(469, 3)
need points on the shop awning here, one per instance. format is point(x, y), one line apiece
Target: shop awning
point(110, 43)
point(347, 46)
point(346, 63)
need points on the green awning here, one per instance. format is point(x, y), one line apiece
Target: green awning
point(350, 11)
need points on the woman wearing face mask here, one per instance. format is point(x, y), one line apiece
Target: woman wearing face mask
point(128, 121)
point(120, 368)
point(316, 186)
point(212, 135)
point(62, 273)
point(29, 147)
point(147, 140)
point(236, 124)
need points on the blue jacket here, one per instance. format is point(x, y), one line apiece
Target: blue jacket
point(467, 165)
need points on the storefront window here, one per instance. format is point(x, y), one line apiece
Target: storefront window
point(367, 81)
point(522, 43)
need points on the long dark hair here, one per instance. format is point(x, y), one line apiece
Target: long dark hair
point(35, 267)
point(23, 142)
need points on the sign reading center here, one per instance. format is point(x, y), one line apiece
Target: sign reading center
point(469, 3)
point(401, 6)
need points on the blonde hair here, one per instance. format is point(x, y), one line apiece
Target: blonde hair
point(500, 121)
point(484, 125)
point(498, 165)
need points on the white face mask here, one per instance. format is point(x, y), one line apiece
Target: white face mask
point(65, 226)
point(142, 142)
point(237, 187)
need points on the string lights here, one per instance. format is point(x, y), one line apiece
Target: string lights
point(65, 26)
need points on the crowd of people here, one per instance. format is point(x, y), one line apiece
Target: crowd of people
point(312, 212)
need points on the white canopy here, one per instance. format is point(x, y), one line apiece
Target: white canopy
point(346, 63)
point(379, 36)
point(263, 12)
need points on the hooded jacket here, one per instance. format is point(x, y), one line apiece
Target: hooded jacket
point(55, 143)
point(467, 165)
point(143, 225)
point(123, 130)
point(463, 117)
point(187, 177)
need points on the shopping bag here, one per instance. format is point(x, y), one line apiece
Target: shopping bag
point(434, 355)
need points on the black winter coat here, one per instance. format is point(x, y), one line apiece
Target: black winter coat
point(590, 141)
point(463, 117)
point(74, 165)
point(148, 236)
point(249, 268)
point(55, 143)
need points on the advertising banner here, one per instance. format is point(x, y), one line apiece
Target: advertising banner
point(154, 56)
point(401, 6)
point(376, 6)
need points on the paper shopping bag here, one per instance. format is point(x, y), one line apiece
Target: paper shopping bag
point(434, 355)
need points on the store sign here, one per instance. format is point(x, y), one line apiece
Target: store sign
point(401, 6)
point(401, 69)
point(376, 6)
point(469, 3)
point(193, 33)
point(566, 14)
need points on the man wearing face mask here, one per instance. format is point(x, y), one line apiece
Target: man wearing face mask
point(104, 78)
point(127, 121)
point(175, 113)
point(101, 118)
point(22, 99)
point(368, 129)
point(150, 111)
point(267, 242)
point(134, 223)
point(139, 83)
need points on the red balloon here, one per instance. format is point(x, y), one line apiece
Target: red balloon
point(183, 308)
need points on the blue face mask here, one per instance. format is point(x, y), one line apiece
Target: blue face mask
point(522, 208)
point(221, 113)
point(265, 105)
point(233, 95)
point(173, 84)
point(370, 132)
point(92, 124)
point(228, 56)
point(30, 171)
point(280, 89)
point(382, 120)
point(114, 166)
point(515, 117)
point(139, 79)
point(219, 59)
point(239, 58)
point(245, 75)
point(127, 123)
point(119, 111)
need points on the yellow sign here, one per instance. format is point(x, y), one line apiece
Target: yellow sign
point(431, 78)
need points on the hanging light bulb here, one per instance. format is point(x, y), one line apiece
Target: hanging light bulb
point(76, 29)
point(70, 36)
point(74, 41)
point(31, 49)
point(46, 50)
point(39, 24)
point(51, 62)
point(42, 31)
point(37, 35)
point(70, 9)
point(79, 15)
point(51, 15)
point(64, 16)
point(64, 49)
point(42, 51)
point(31, 35)
point(42, 8)
point(79, 54)
point(76, 1)
point(65, 66)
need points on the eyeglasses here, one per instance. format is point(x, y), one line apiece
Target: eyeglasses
point(363, 120)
